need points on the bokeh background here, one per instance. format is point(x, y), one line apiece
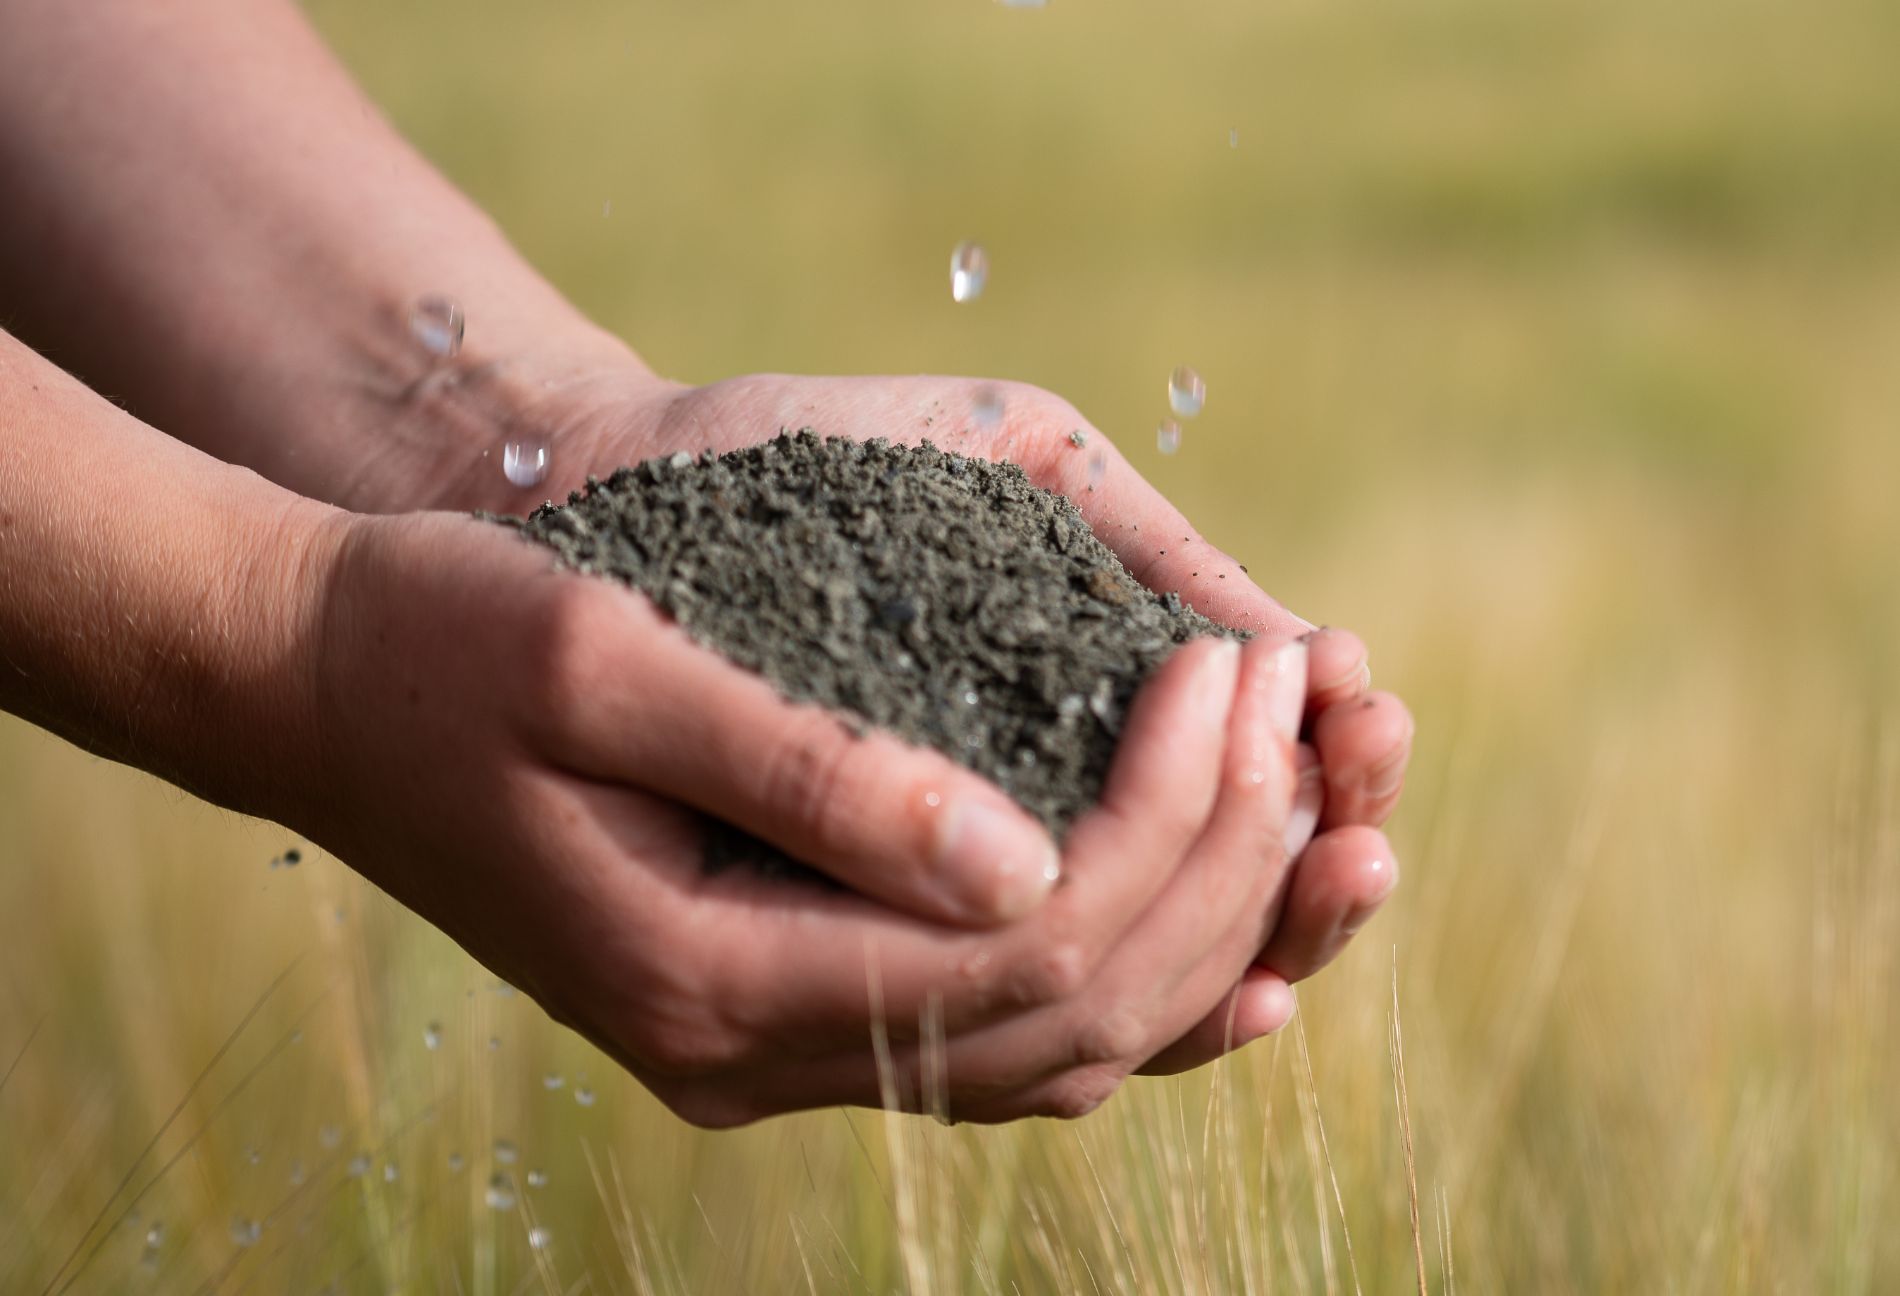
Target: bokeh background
point(1554, 347)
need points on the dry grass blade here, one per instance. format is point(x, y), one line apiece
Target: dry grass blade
point(19, 1056)
point(1402, 1097)
point(1326, 1156)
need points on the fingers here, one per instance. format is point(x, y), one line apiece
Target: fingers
point(1340, 882)
point(897, 823)
point(1364, 745)
point(1260, 1005)
point(1338, 671)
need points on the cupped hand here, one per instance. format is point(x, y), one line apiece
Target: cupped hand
point(1362, 737)
point(524, 755)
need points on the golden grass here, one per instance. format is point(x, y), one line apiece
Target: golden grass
point(1552, 347)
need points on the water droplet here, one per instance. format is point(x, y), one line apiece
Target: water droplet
point(969, 697)
point(538, 1238)
point(933, 800)
point(1168, 436)
point(456, 1162)
point(1233, 137)
point(505, 1152)
point(358, 1166)
point(389, 1172)
point(500, 1195)
point(328, 1136)
point(969, 271)
point(537, 1178)
point(552, 1080)
point(987, 405)
point(584, 1096)
point(1186, 392)
point(155, 1235)
point(1098, 469)
point(252, 1156)
point(525, 463)
point(432, 1036)
point(607, 209)
point(296, 1174)
point(244, 1233)
point(437, 323)
point(1078, 438)
point(494, 1043)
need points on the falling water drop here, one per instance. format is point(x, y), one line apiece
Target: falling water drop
point(1168, 437)
point(987, 405)
point(969, 271)
point(389, 1172)
point(432, 1036)
point(584, 1096)
point(244, 1233)
point(500, 1195)
point(525, 463)
point(505, 1152)
point(537, 1178)
point(1233, 137)
point(553, 1080)
point(1186, 392)
point(437, 323)
point(358, 1166)
point(538, 1238)
point(456, 1162)
point(296, 1174)
point(328, 1136)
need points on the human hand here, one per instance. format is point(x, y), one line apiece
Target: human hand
point(1362, 738)
point(518, 752)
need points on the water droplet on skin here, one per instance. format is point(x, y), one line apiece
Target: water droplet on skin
point(505, 1152)
point(1186, 392)
point(456, 1163)
point(969, 271)
point(432, 1036)
point(584, 1096)
point(538, 1238)
point(358, 1166)
point(244, 1233)
point(974, 965)
point(552, 1080)
point(987, 405)
point(524, 463)
point(1168, 437)
point(537, 1179)
point(500, 1194)
point(933, 800)
point(1098, 469)
point(328, 1136)
point(437, 323)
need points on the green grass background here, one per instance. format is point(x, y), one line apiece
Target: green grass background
point(1554, 347)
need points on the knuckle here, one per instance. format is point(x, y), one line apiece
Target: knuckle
point(1077, 1094)
point(806, 777)
point(1113, 1036)
point(568, 647)
point(1052, 975)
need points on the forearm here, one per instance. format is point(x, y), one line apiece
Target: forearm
point(206, 219)
point(156, 606)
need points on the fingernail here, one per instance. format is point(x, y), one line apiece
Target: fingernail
point(1286, 689)
point(1214, 685)
point(994, 862)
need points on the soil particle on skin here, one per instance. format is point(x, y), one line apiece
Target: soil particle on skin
point(942, 598)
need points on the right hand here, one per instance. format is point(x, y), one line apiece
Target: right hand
point(525, 756)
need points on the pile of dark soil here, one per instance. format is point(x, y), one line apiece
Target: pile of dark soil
point(942, 598)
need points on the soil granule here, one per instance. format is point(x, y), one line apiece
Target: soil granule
point(943, 598)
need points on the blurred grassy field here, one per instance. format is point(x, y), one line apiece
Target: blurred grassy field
point(1555, 347)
